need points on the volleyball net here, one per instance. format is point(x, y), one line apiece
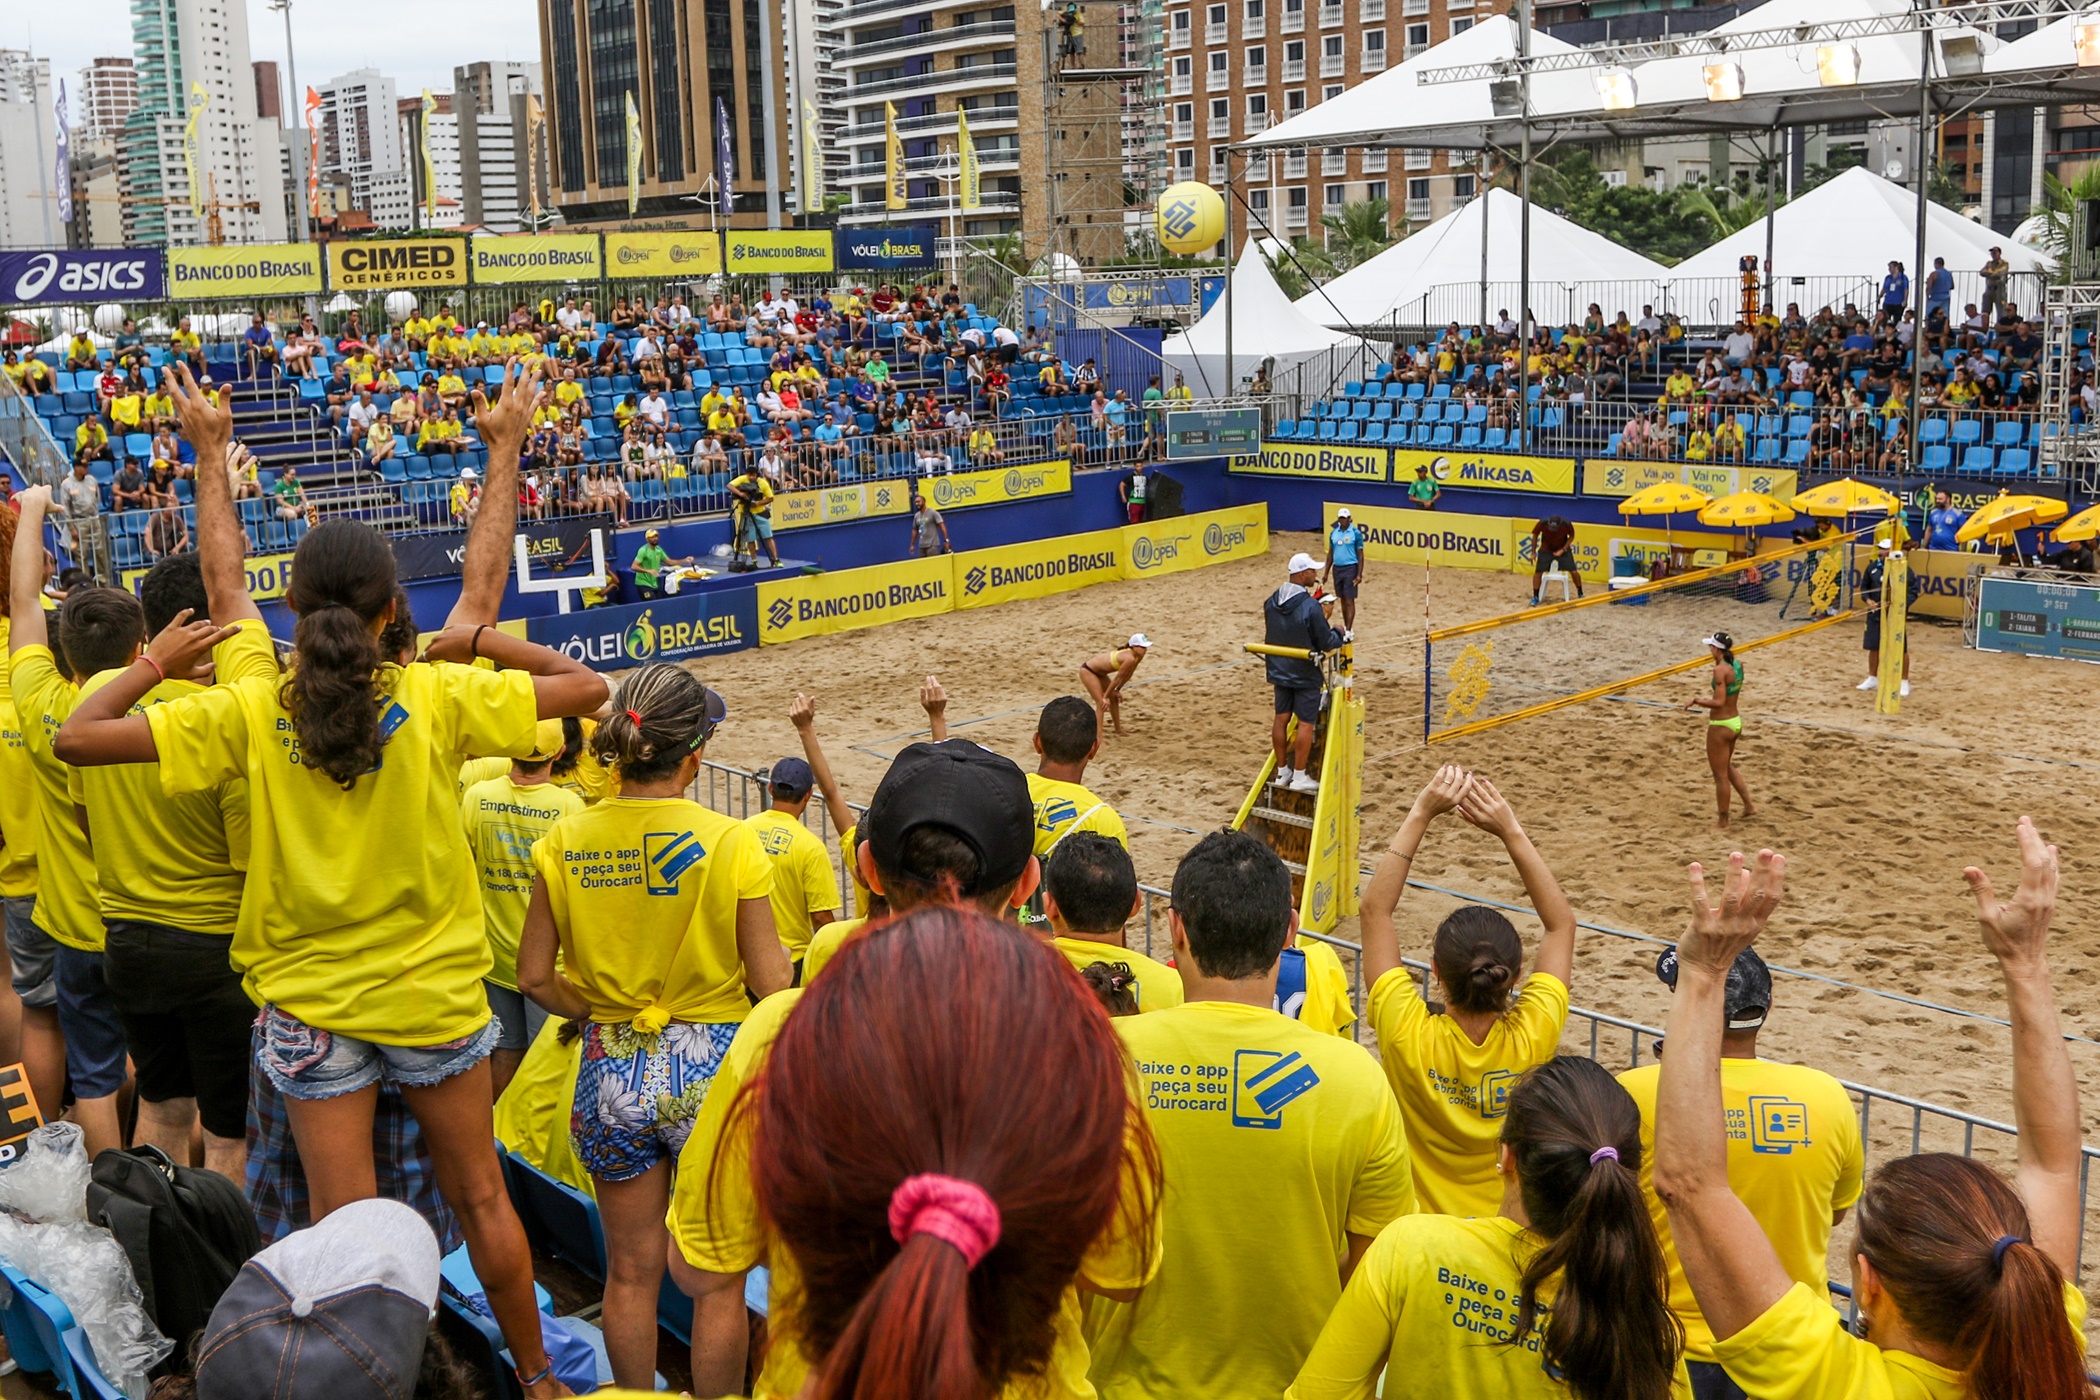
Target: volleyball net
point(1637, 629)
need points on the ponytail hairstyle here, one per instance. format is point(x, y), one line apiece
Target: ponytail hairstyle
point(658, 718)
point(1478, 957)
point(936, 1238)
point(1114, 985)
point(342, 583)
point(8, 521)
point(397, 641)
point(571, 748)
point(1576, 1137)
point(1727, 645)
point(1950, 1241)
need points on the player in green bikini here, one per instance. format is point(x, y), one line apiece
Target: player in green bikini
point(1724, 725)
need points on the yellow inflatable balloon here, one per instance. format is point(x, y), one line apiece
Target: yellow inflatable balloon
point(1190, 216)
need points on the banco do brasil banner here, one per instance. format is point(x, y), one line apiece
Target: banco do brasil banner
point(382, 264)
point(778, 250)
point(828, 505)
point(679, 253)
point(1324, 459)
point(1445, 538)
point(677, 628)
point(880, 249)
point(1612, 476)
point(535, 257)
point(996, 485)
point(269, 269)
point(74, 275)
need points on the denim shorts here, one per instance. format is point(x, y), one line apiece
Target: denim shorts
point(637, 1095)
point(87, 1016)
point(32, 954)
point(519, 1015)
point(305, 1062)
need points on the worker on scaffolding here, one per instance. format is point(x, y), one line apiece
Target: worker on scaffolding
point(1071, 31)
point(1296, 617)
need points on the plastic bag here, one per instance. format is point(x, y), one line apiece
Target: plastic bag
point(83, 1264)
point(49, 1181)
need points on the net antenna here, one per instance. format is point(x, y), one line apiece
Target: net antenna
point(556, 583)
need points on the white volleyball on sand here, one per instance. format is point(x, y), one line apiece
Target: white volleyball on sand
point(400, 305)
point(109, 318)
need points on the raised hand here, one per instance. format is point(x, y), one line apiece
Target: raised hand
point(1487, 808)
point(802, 713)
point(182, 649)
point(1717, 933)
point(2015, 930)
point(206, 421)
point(505, 421)
point(453, 642)
point(933, 698)
point(1445, 791)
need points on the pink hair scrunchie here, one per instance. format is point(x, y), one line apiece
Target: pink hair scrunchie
point(962, 1213)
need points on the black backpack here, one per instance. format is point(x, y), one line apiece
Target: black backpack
point(186, 1232)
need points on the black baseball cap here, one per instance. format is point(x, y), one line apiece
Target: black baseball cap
point(1749, 987)
point(978, 796)
point(790, 777)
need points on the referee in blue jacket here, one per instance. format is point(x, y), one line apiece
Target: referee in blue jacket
point(1293, 617)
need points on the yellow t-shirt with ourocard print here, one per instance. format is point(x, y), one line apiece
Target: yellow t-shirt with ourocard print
point(361, 914)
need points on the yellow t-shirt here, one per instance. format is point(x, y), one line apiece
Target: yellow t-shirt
point(124, 411)
point(361, 913)
point(1158, 986)
point(176, 861)
point(1438, 1296)
point(502, 822)
point(590, 779)
point(715, 1224)
point(532, 1116)
point(803, 880)
point(18, 807)
point(1454, 1092)
point(1276, 1143)
point(1326, 1007)
point(1794, 1157)
point(1063, 808)
point(568, 392)
point(644, 892)
point(825, 943)
point(849, 851)
point(68, 900)
point(480, 770)
point(1799, 1350)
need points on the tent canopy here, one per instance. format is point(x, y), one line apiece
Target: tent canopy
point(1266, 326)
point(1857, 224)
point(1447, 254)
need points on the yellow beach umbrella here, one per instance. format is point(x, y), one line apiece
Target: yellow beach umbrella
point(1845, 497)
point(2000, 518)
point(1745, 510)
point(1663, 498)
point(2083, 526)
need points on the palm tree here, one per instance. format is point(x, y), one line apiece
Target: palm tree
point(1306, 265)
point(2058, 200)
point(1721, 212)
point(1358, 234)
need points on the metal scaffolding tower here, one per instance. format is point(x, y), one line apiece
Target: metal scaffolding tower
point(1105, 133)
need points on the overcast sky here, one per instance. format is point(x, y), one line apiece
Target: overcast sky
point(416, 42)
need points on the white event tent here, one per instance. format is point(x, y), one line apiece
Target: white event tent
point(1266, 326)
point(1436, 274)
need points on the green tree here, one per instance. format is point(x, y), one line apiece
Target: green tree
point(1358, 234)
point(2058, 201)
point(1304, 266)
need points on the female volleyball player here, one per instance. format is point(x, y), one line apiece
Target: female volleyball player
point(361, 933)
point(1724, 725)
point(662, 913)
point(1106, 674)
point(1964, 1282)
point(1453, 1066)
point(1560, 1292)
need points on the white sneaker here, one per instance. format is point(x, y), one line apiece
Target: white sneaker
point(1904, 690)
point(1303, 782)
point(1868, 684)
point(1282, 778)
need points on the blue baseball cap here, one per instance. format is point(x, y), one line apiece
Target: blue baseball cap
point(790, 777)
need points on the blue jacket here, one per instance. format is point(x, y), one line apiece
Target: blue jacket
point(1292, 619)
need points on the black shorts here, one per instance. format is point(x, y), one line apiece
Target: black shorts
point(1562, 559)
point(1346, 578)
point(1302, 701)
point(1870, 640)
point(186, 1019)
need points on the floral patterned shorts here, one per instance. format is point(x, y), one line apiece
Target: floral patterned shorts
point(637, 1095)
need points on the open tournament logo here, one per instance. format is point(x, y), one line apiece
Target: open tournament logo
point(1141, 552)
point(780, 612)
point(974, 580)
point(1219, 538)
point(1016, 483)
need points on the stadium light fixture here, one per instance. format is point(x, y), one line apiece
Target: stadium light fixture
point(2087, 39)
point(1724, 82)
point(1616, 90)
point(1837, 65)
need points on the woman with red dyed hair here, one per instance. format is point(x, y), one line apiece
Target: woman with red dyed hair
point(1962, 1280)
point(943, 1148)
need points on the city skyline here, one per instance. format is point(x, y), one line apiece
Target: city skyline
point(328, 39)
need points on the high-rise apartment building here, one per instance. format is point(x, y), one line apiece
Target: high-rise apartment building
point(28, 154)
point(107, 93)
point(813, 76)
point(269, 90)
point(497, 153)
point(675, 59)
point(198, 164)
point(361, 134)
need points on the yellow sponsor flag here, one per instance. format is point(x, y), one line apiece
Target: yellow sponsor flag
point(812, 160)
point(430, 174)
point(894, 190)
point(535, 133)
point(972, 188)
point(634, 153)
point(200, 98)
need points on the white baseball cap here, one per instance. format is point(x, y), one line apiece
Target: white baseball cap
point(468, 473)
point(1139, 639)
point(1343, 514)
point(1301, 562)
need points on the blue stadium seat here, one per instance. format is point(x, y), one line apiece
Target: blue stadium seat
point(1797, 452)
point(1965, 432)
point(2007, 433)
point(1978, 460)
point(1938, 458)
point(2014, 461)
